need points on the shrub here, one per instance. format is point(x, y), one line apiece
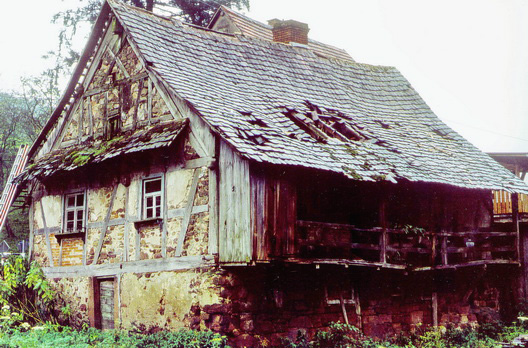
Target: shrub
point(25, 294)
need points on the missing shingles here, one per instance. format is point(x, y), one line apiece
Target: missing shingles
point(253, 120)
point(383, 124)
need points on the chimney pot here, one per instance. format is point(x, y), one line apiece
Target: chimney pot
point(289, 31)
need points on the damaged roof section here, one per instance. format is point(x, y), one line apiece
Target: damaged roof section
point(92, 152)
point(283, 105)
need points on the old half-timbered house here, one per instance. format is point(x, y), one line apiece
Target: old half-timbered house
point(246, 179)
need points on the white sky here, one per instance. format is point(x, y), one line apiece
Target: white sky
point(467, 58)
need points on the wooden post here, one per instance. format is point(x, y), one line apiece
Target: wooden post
point(433, 249)
point(383, 237)
point(515, 223)
point(434, 307)
point(358, 309)
point(343, 308)
point(521, 243)
point(443, 251)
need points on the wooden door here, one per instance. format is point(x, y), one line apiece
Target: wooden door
point(106, 303)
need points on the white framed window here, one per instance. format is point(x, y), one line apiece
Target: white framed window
point(152, 201)
point(74, 212)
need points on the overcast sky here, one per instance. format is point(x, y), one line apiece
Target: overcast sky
point(467, 58)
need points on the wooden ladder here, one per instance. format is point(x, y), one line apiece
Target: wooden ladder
point(11, 188)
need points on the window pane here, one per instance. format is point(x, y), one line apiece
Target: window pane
point(80, 214)
point(149, 202)
point(153, 186)
point(70, 216)
point(69, 226)
point(71, 201)
point(158, 201)
point(79, 225)
point(158, 212)
point(149, 213)
point(80, 200)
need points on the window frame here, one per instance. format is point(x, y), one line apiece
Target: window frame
point(75, 209)
point(145, 196)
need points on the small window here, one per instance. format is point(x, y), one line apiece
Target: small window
point(114, 123)
point(152, 198)
point(74, 212)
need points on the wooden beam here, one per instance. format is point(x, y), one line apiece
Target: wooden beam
point(46, 231)
point(143, 266)
point(358, 309)
point(383, 236)
point(138, 98)
point(188, 210)
point(343, 307)
point(105, 227)
point(434, 307)
point(200, 162)
point(127, 226)
point(213, 212)
point(149, 101)
point(119, 63)
point(165, 219)
point(31, 230)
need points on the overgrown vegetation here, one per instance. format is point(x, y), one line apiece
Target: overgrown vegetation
point(26, 297)
point(57, 337)
point(337, 336)
point(341, 335)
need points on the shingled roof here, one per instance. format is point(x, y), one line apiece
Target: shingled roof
point(91, 152)
point(285, 105)
point(252, 28)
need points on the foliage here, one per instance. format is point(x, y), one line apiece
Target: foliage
point(25, 294)
point(22, 115)
point(198, 12)
point(57, 337)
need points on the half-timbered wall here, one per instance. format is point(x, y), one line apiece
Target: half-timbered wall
point(115, 230)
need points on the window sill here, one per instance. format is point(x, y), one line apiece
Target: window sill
point(69, 235)
point(148, 222)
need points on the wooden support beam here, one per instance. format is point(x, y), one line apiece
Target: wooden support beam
point(127, 226)
point(138, 98)
point(46, 231)
point(149, 100)
point(188, 210)
point(143, 266)
point(105, 227)
point(443, 251)
point(165, 219)
point(343, 308)
point(119, 63)
point(434, 307)
point(383, 237)
point(31, 230)
point(358, 309)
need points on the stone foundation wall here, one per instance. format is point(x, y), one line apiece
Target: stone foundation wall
point(249, 304)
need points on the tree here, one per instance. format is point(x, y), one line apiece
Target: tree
point(197, 12)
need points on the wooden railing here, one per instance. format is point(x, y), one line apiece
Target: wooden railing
point(415, 248)
point(502, 203)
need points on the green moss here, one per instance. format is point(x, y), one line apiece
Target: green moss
point(380, 177)
point(351, 151)
point(351, 173)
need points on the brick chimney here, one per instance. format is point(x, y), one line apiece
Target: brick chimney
point(289, 31)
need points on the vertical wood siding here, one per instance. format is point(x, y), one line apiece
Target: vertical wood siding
point(235, 242)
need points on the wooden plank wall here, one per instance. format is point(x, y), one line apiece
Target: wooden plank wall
point(235, 237)
point(273, 215)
